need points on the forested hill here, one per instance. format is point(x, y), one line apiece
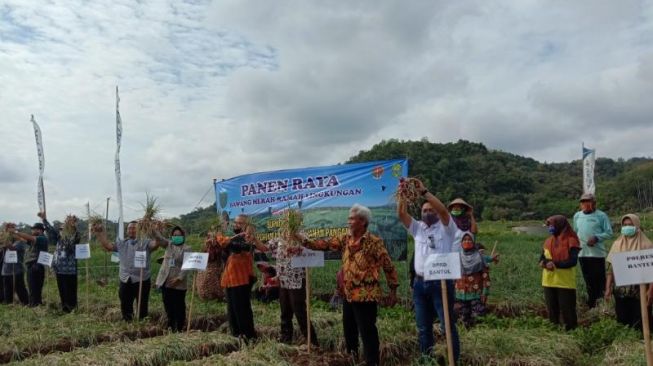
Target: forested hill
point(501, 185)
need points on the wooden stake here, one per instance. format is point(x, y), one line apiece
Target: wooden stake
point(140, 294)
point(88, 307)
point(494, 248)
point(308, 308)
point(447, 321)
point(190, 308)
point(643, 300)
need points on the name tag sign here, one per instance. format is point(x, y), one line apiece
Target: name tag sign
point(632, 268)
point(308, 258)
point(83, 251)
point(444, 266)
point(45, 259)
point(196, 261)
point(11, 256)
point(140, 259)
point(114, 257)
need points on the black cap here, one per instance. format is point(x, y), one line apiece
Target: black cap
point(38, 226)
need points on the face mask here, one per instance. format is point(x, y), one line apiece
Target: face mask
point(552, 230)
point(237, 230)
point(468, 245)
point(177, 240)
point(430, 219)
point(628, 230)
point(456, 212)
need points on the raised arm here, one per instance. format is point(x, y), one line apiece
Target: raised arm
point(28, 238)
point(159, 240)
point(52, 232)
point(101, 236)
point(435, 202)
point(403, 215)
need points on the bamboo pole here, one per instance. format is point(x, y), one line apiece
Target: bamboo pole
point(643, 300)
point(140, 295)
point(190, 308)
point(447, 321)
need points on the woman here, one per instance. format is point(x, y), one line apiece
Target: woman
point(473, 287)
point(463, 215)
point(626, 298)
point(208, 282)
point(171, 279)
point(65, 264)
point(558, 260)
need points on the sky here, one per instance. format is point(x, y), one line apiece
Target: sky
point(216, 89)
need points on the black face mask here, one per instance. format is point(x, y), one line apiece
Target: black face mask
point(237, 230)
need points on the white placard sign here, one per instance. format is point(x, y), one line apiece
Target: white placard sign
point(11, 256)
point(45, 259)
point(82, 251)
point(445, 266)
point(632, 268)
point(308, 258)
point(140, 259)
point(196, 261)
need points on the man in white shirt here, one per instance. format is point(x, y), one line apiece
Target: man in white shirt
point(433, 234)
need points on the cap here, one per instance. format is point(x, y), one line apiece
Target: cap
point(587, 197)
point(38, 226)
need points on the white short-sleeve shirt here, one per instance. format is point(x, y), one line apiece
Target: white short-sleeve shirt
point(437, 238)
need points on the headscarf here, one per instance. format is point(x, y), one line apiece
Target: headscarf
point(639, 241)
point(463, 221)
point(562, 240)
point(472, 260)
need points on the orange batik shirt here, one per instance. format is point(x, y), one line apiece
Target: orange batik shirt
point(239, 267)
point(361, 263)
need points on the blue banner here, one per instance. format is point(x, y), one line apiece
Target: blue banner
point(324, 195)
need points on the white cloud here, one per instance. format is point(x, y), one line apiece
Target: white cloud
point(218, 89)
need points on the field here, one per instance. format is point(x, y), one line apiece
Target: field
point(516, 333)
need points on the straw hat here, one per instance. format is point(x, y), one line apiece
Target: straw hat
point(459, 201)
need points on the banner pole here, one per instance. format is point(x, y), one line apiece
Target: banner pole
point(190, 308)
point(308, 308)
point(140, 294)
point(447, 321)
point(645, 324)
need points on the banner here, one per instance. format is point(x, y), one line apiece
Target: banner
point(41, 156)
point(324, 195)
point(121, 224)
point(588, 170)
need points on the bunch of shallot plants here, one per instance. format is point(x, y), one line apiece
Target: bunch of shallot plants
point(408, 193)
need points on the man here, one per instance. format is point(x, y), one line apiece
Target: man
point(363, 256)
point(129, 274)
point(434, 234)
point(593, 228)
point(35, 272)
point(237, 279)
point(65, 263)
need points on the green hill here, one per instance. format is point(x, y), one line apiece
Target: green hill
point(501, 185)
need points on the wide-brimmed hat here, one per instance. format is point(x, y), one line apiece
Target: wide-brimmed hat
point(459, 201)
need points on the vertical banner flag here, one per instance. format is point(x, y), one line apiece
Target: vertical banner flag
point(588, 170)
point(324, 195)
point(121, 224)
point(41, 156)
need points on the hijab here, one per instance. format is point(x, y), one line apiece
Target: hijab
point(639, 241)
point(472, 260)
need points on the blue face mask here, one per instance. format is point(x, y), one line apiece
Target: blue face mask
point(552, 230)
point(628, 230)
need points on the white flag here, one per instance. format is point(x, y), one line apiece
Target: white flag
point(121, 224)
point(41, 157)
point(588, 170)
